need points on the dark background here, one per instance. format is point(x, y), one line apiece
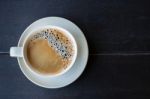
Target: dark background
point(110, 26)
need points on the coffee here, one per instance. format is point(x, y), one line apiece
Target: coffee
point(49, 51)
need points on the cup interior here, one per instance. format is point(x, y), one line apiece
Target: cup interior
point(27, 39)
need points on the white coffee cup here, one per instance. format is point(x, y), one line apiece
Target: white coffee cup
point(20, 51)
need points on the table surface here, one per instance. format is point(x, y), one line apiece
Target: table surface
point(118, 34)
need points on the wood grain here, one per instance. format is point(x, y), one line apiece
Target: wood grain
point(110, 26)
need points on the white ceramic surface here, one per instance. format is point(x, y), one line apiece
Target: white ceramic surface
point(79, 65)
point(21, 51)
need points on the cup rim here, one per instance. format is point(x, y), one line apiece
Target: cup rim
point(28, 65)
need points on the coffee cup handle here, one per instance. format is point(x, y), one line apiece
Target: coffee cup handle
point(16, 51)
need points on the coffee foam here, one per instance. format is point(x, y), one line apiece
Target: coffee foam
point(58, 41)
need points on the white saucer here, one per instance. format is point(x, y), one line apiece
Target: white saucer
point(79, 65)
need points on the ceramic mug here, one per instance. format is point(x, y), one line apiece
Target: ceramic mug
point(21, 51)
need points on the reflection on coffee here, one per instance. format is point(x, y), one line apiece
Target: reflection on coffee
point(50, 51)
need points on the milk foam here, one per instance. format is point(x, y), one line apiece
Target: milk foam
point(58, 41)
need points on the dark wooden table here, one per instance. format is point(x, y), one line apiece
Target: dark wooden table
point(118, 34)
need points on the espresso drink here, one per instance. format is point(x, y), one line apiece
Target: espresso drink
point(50, 51)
